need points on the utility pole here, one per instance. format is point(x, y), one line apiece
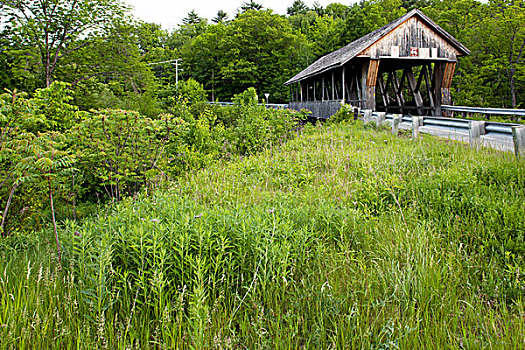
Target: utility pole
point(177, 69)
point(177, 72)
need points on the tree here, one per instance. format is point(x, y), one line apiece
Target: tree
point(318, 8)
point(298, 7)
point(192, 18)
point(337, 10)
point(493, 75)
point(221, 17)
point(250, 6)
point(379, 13)
point(15, 117)
point(187, 32)
point(326, 35)
point(501, 42)
point(258, 49)
point(44, 166)
point(54, 27)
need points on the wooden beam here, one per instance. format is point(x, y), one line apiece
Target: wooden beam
point(344, 84)
point(437, 82)
point(371, 79)
point(301, 88)
point(415, 92)
point(447, 83)
point(364, 89)
point(382, 91)
point(429, 82)
point(333, 86)
point(307, 91)
point(322, 87)
point(358, 88)
point(352, 90)
point(397, 89)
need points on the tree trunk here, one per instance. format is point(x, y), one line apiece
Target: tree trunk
point(13, 189)
point(48, 74)
point(54, 220)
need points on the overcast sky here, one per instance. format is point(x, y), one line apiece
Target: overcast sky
point(170, 13)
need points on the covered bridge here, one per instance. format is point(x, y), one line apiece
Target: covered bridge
point(404, 67)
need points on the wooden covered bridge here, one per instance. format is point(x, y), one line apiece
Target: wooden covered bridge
point(404, 67)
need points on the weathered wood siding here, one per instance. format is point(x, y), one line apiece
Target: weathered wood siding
point(319, 109)
point(408, 36)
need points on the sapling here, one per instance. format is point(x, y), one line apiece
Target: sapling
point(43, 166)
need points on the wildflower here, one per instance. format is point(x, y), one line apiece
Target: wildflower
point(197, 216)
point(78, 234)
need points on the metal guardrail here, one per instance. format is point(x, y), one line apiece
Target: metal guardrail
point(493, 134)
point(460, 125)
point(481, 110)
point(267, 105)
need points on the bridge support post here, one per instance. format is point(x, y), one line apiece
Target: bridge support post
point(370, 86)
point(416, 123)
point(395, 124)
point(381, 117)
point(518, 134)
point(475, 130)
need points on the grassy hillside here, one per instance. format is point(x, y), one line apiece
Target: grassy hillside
point(345, 237)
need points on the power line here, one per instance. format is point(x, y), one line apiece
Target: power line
point(177, 69)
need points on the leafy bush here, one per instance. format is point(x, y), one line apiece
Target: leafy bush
point(346, 112)
point(122, 150)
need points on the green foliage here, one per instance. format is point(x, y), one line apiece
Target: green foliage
point(298, 8)
point(257, 49)
point(492, 75)
point(345, 113)
point(343, 237)
point(122, 150)
point(190, 91)
point(247, 98)
point(16, 118)
point(53, 27)
point(54, 108)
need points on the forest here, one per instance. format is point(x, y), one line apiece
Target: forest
point(110, 59)
point(134, 214)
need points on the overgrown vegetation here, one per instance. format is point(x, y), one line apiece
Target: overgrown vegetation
point(136, 215)
point(48, 146)
point(343, 237)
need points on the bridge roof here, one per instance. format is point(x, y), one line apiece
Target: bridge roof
point(339, 57)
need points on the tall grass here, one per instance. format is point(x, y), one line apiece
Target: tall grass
point(345, 237)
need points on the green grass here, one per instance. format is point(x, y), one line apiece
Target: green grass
point(346, 237)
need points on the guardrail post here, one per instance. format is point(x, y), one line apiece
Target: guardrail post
point(381, 117)
point(395, 124)
point(368, 116)
point(416, 123)
point(475, 130)
point(518, 134)
point(356, 113)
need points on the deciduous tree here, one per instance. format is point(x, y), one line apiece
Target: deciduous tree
point(55, 27)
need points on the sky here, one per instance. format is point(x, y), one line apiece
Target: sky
point(169, 13)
